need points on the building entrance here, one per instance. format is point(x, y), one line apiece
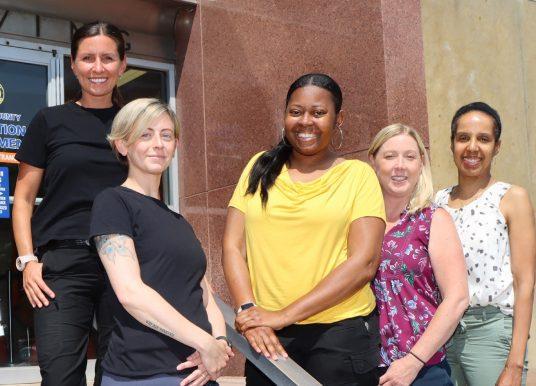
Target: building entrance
point(25, 87)
point(33, 76)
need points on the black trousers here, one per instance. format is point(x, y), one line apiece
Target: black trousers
point(62, 328)
point(341, 353)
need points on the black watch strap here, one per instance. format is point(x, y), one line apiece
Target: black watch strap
point(223, 337)
point(245, 306)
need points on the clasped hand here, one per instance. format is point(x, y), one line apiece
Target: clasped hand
point(257, 317)
point(209, 365)
point(258, 325)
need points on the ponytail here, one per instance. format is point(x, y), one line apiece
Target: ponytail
point(267, 168)
point(117, 98)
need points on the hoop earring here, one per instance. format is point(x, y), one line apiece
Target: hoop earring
point(341, 141)
point(283, 138)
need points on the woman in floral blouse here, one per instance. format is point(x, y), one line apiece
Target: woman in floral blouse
point(421, 285)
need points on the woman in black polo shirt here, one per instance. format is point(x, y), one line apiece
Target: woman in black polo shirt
point(164, 311)
point(65, 148)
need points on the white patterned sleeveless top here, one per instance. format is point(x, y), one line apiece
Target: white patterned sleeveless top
point(484, 235)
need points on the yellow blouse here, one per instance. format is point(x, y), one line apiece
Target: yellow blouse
point(301, 235)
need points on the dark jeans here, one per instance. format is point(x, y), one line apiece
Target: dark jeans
point(436, 375)
point(336, 354)
point(62, 328)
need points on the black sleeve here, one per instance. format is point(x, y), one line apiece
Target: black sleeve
point(33, 149)
point(110, 215)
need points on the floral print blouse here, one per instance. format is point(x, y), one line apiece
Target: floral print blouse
point(406, 290)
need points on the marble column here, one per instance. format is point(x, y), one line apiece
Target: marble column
point(237, 59)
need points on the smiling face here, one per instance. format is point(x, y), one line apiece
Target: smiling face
point(152, 152)
point(310, 119)
point(474, 144)
point(398, 164)
point(97, 66)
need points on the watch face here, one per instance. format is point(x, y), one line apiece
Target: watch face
point(21, 261)
point(245, 306)
point(20, 264)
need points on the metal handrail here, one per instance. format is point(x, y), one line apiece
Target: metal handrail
point(283, 372)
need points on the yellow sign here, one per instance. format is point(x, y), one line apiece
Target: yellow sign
point(8, 158)
point(2, 93)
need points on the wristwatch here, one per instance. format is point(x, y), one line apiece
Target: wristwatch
point(21, 261)
point(245, 306)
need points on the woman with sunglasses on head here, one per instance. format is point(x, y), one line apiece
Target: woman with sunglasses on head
point(495, 222)
point(166, 319)
point(421, 284)
point(65, 149)
point(302, 243)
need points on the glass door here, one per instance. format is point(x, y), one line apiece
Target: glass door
point(26, 85)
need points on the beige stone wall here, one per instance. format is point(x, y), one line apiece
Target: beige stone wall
point(482, 50)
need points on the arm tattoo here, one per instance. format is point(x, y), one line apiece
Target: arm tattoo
point(113, 246)
point(156, 327)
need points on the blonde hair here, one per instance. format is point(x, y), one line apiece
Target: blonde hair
point(424, 190)
point(136, 116)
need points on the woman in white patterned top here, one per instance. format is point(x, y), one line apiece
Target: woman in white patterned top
point(495, 222)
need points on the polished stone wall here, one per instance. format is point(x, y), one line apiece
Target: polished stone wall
point(239, 59)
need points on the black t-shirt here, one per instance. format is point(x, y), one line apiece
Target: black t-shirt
point(69, 142)
point(172, 263)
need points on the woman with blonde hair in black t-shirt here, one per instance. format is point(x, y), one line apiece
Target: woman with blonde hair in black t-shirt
point(164, 312)
point(65, 149)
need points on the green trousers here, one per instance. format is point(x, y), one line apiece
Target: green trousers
point(479, 347)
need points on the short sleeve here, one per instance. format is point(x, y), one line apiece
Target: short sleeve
point(239, 199)
point(110, 215)
point(368, 201)
point(33, 148)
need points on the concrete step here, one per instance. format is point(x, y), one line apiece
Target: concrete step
point(223, 381)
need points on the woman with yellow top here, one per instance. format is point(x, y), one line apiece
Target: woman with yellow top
point(302, 242)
